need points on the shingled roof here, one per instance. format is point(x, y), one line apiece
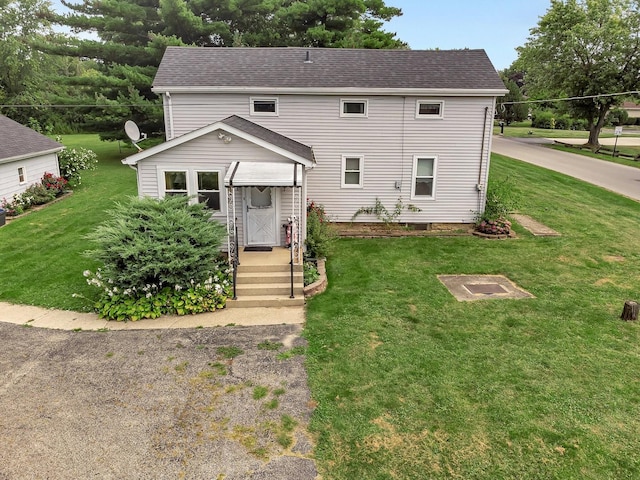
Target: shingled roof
point(337, 68)
point(245, 129)
point(18, 141)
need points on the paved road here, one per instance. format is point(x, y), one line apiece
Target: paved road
point(612, 176)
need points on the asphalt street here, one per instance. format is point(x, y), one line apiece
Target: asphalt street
point(612, 176)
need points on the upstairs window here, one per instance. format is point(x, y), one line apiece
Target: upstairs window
point(22, 175)
point(424, 177)
point(264, 106)
point(352, 171)
point(429, 109)
point(353, 108)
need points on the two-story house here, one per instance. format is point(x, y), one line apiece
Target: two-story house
point(256, 132)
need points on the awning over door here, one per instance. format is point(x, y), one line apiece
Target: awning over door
point(263, 174)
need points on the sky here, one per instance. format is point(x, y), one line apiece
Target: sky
point(497, 26)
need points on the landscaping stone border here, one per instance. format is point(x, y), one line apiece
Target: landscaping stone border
point(319, 285)
point(38, 207)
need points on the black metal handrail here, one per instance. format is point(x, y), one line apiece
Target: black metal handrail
point(235, 261)
point(291, 247)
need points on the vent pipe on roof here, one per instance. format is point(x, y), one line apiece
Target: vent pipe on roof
point(308, 59)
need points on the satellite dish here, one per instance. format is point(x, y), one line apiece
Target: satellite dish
point(132, 130)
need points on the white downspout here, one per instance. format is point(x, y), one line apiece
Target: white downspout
point(170, 133)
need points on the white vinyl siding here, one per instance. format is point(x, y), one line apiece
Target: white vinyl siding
point(264, 106)
point(429, 109)
point(424, 177)
point(33, 170)
point(357, 108)
point(205, 154)
point(388, 139)
point(352, 171)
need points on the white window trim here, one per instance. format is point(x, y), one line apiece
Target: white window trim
point(354, 115)
point(432, 117)
point(343, 171)
point(192, 183)
point(24, 175)
point(263, 99)
point(414, 173)
point(220, 190)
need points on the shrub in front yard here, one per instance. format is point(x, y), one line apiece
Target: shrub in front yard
point(320, 235)
point(158, 256)
point(501, 201)
point(73, 161)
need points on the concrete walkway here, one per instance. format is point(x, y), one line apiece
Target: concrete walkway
point(68, 320)
point(617, 178)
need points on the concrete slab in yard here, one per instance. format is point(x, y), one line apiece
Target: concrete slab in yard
point(536, 228)
point(482, 287)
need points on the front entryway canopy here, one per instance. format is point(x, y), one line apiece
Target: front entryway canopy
point(263, 174)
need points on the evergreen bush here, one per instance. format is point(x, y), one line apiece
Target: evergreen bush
point(158, 256)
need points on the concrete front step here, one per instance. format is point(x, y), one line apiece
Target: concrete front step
point(245, 278)
point(267, 268)
point(266, 301)
point(269, 289)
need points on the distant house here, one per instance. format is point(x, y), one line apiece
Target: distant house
point(632, 108)
point(256, 132)
point(25, 156)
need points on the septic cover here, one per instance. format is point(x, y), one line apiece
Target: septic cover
point(482, 287)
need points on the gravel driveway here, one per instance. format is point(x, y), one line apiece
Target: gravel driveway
point(217, 403)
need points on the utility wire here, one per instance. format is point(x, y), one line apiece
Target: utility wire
point(632, 92)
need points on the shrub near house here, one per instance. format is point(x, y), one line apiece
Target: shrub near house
point(160, 257)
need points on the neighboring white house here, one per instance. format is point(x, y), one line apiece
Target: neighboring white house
point(257, 132)
point(25, 156)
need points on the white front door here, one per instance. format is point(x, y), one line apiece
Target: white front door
point(262, 227)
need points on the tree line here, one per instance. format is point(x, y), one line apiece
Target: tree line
point(107, 60)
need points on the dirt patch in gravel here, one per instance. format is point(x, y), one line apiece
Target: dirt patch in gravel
point(221, 403)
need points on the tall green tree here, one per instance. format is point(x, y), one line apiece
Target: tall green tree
point(584, 48)
point(507, 110)
point(23, 69)
point(133, 34)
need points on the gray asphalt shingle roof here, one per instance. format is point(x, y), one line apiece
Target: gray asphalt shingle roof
point(330, 68)
point(16, 140)
point(269, 136)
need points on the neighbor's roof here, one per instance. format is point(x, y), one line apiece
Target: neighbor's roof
point(219, 69)
point(18, 142)
point(244, 129)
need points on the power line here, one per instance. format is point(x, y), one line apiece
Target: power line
point(585, 97)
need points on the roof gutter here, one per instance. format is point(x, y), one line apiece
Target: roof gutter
point(31, 155)
point(440, 92)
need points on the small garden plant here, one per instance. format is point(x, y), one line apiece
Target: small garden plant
point(320, 234)
point(501, 201)
point(36, 194)
point(384, 215)
point(159, 257)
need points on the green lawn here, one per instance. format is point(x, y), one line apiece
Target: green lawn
point(605, 156)
point(412, 384)
point(521, 130)
point(41, 260)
